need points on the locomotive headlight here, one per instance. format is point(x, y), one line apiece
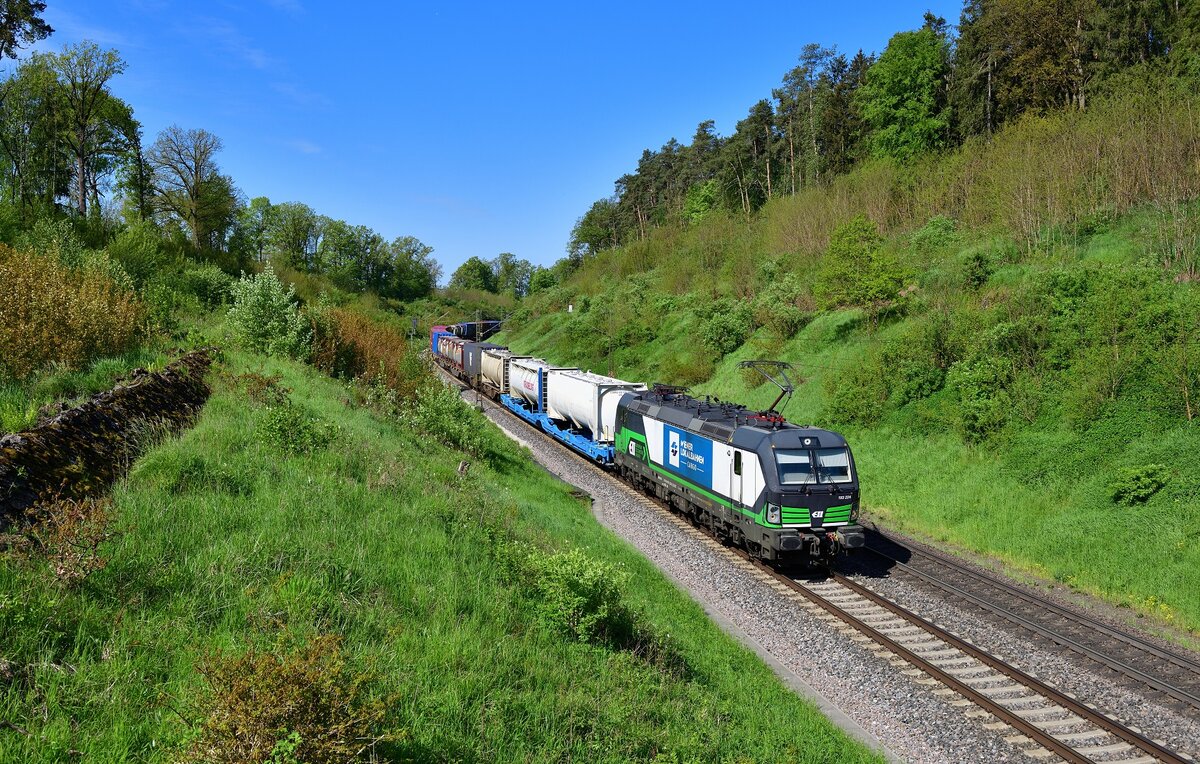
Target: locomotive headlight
point(773, 513)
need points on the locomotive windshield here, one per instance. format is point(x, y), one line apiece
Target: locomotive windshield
point(833, 465)
point(795, 467)
point(805, 467)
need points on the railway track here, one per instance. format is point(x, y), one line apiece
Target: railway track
point(1043, 721)
point(1174, 677)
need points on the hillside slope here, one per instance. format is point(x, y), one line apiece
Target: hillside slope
point(1031, 401)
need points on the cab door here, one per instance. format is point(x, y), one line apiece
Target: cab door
point(735, 478)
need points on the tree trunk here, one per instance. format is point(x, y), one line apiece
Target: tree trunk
point(767, 158)
point(792, 152)
point(81, 178)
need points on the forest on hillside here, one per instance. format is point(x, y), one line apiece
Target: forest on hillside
point(931, 90)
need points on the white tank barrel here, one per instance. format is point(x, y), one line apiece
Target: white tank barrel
point(493, 367)
point(454, 350)
point(587, 401)
point(496, 364)
point(523, 379)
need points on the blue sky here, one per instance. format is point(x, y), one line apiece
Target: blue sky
point(479, 128)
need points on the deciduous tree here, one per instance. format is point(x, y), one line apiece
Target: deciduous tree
point(475, 273)
point(95, 122)
point(904, 96)
point(189, 187)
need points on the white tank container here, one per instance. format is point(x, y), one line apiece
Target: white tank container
point(523, 379)
point(454, 349)
point(492, 367)
point(495, 367)
point(586, 400)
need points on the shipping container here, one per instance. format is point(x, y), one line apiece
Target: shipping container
point(586, 401)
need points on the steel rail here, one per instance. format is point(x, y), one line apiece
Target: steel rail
point(1056, 636)
point(1121, 731)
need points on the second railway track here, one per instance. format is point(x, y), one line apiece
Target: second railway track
point(1134, 658)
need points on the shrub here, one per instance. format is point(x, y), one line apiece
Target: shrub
point(784, 305)
point(580, 597)
point(983, 400)
point(858, 397)
point(210, 285)
point(51, 313)
point(350, 345)
point(858, 271)
point(1137, 484)
point(265, 318)
point(139, 251)
point(936, 235)
point(69, 534)
point(294, 429)
point(727, 324)
point(438, 411)
point(976, 267)
point(55, 239)
point(305, 705)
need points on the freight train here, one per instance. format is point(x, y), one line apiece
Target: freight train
point(782, 491)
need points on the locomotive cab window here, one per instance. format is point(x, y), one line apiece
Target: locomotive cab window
point(833, 465)
point(737, 462)
point(795, 466)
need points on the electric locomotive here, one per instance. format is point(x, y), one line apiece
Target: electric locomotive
point(782, 491)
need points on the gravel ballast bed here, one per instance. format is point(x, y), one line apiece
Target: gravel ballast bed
point(896, 708)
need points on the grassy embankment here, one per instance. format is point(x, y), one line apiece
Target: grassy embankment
point(1030, 395)
point(242, 534)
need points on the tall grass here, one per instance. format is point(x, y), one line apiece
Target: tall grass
point(54, 314)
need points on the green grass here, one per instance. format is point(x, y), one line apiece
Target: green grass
point(227, 542)
point(21, 401)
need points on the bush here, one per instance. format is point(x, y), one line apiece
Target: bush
point(303, 705)
point(55, 239)
point(976, 268)
point(784, 305)
point(439, 412)
point(580, 597)
point(350, 345)
point(1136, 485)
point(984, 403)
point(51, 313)
point(68, 535)
point(265, 318)
point(858, 397)
point(293, 429)
point(727, 324)
point(210, 285)
point(139, 251)
point(858, 271)
point(936, 235)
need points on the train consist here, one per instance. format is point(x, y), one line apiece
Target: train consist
point(782, 491)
